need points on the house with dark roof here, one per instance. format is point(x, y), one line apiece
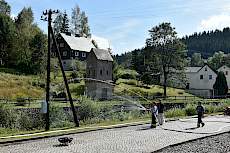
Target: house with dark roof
point(99, 64)
point(72, 48)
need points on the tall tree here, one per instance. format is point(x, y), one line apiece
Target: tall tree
point(85, 30)
point(4, 7)
point(76, 21)
point(58, 23)
point(197, 60)
point(38, 46)
point(7, 35)
point(65, 23)
point(167, 51)
point(220, 86)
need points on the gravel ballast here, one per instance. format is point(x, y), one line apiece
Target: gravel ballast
point(214, 144)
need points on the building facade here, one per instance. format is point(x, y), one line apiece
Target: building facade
point(73, 48)
point(99, 71)
point(200, 81)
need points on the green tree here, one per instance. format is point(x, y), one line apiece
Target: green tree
point(58, 23)
point(4, 7)
point(85, 30)
point(220, 86)
point(38, 58)
point(65, 23)
point(197, 60)
point(76, 21)
point(7, 35)
point(25, 32)
point(166, 50)
point(217, 60)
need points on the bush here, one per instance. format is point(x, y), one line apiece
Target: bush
point(190, 110)
point(175, 112)
point(58, 118)
point(88, 109)
point(127, 81)
point(7, 117)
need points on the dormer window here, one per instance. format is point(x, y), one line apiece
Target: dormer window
point(205, 69)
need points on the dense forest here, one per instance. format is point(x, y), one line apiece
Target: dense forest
point(202, 45)
point(207, 43)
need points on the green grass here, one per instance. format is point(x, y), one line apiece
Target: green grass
point(14, 86)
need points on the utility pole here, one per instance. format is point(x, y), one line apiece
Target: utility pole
point(49, 14)
point(51, 33)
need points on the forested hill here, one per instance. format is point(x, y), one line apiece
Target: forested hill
point(206, 43)
point(209, 42)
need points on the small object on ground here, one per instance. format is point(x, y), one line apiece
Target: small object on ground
point(202, 124)
point(227, 111)
point(65, 140)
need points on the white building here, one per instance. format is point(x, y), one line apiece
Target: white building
point(200, 80)
point(226, 71)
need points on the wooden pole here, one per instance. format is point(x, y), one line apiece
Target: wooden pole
point(65, 79)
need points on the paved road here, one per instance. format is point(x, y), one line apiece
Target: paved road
point(126, 140)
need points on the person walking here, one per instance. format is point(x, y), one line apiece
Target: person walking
point(200, 113)
point(160, 116)
point(154, 112)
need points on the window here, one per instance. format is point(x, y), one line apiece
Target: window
point(83, 54)
point(76, 53)
point(226, 73)
point(205, 69)
point(61, 44)
point(107, 72)
point(64, 53)
point(100, 72)
point(89, 73)
point(201, 77)
point(210, 77)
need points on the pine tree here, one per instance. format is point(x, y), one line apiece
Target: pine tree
point(58, 23)
point(85, 30)
point(65, 23)
point(76, 21)
point(220, 86)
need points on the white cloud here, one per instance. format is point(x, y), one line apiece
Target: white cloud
point(215, 22)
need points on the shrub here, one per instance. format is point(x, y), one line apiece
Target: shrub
point(190, 110)
point(88, 109)
point(58, 118)
point(175, 112)
point(7, 117)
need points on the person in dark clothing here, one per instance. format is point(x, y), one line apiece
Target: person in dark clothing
point(154, 113)
point(160, 116)
point(200, 113)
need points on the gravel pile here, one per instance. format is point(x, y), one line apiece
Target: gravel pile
point(214, 144)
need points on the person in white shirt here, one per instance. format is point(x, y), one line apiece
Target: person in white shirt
point(154, 112)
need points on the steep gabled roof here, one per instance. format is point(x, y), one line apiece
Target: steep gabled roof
point(224, 66)
point(78, 43)
point(102, 54)
point(192, 69)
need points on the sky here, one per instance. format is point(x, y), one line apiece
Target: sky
point(125, 23)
